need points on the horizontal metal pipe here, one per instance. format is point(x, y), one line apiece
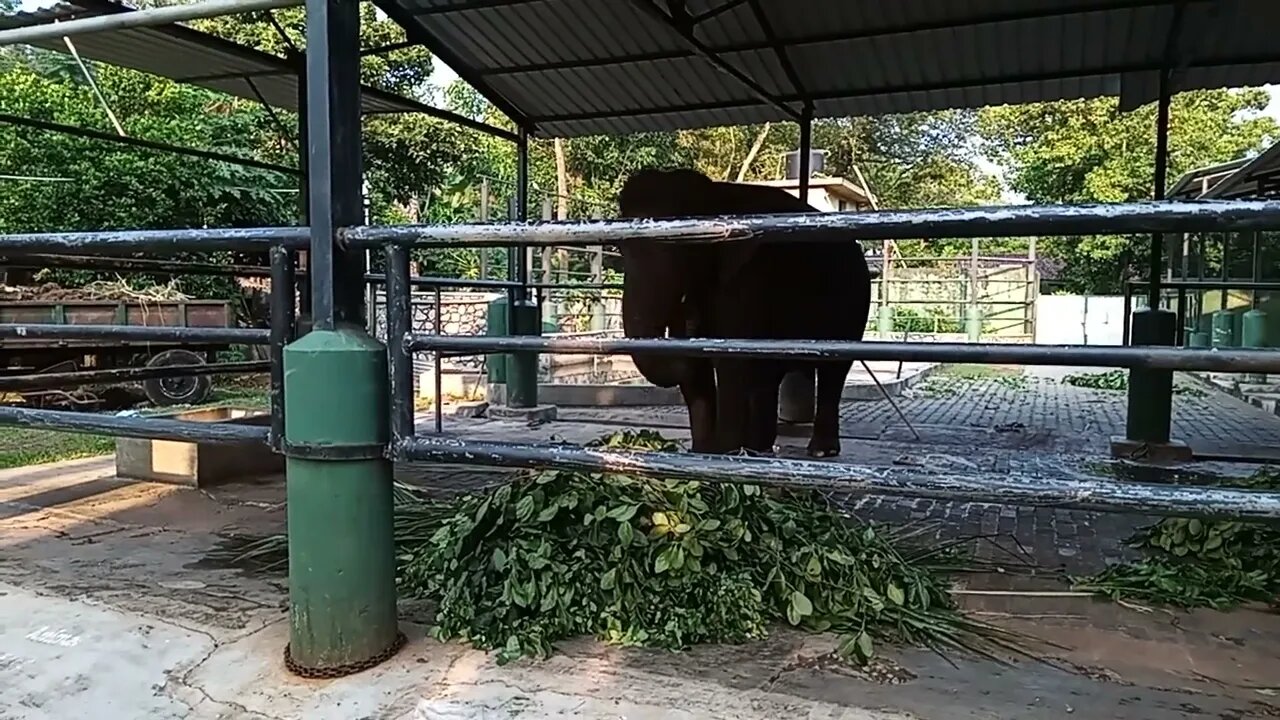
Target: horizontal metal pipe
point(1002, 221)
point(150, 17)
point(103, 136)
point(134, 427)
point(136, 333)
point(189, 240)
point(1077, 493)
point(40, 261)
point(1166, 358)
point(443, 282)
point(1210, 284)
point(45, 381)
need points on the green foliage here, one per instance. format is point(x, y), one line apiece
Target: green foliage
point(20, 447)
point(661, 563)
point(1109, 380)
point(1117, 380)
point(1088, 151)
point(664, 563)
point(932, 320)
point(1200, 563)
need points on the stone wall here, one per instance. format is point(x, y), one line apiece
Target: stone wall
point(463, 313)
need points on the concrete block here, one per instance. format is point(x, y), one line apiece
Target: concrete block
point(1174, 451)
point(536, 414)
point(471, 409)
point(197, 464)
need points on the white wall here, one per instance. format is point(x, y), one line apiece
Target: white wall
point(1080, 320)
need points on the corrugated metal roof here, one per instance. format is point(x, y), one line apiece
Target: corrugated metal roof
point(579, 67)
point(193, 57)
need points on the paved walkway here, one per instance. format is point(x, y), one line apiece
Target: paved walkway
point(110, 608)
point(109, 603)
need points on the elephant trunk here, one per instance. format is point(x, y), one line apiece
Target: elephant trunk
point(648, 311)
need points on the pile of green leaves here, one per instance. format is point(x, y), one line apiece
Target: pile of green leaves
point(1194, 563)
point(669, 564)
point(1118, 380)
point(1109, 380)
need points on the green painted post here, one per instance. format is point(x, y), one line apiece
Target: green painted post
point(1253, 334)
point(973, 322)
point(1150, 406)
point(522, 367)
point(1223, 335)
point(496, 326)
point(342, 575)
point(884, 321)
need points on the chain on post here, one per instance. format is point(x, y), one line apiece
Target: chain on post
point(337, 671)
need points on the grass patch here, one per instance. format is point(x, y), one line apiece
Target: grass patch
point(20, 447)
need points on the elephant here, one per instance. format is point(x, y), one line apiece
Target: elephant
point(759, 288)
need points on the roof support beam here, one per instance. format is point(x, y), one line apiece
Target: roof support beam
point(893, 90)
point(73, 131)
point(466, 5)
point(845, 36)
point(416, 31)
point(725, 7)
point(684, 28)
point(779, 50)
point(149, 17)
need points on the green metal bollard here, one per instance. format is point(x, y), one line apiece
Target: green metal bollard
point(1150, 406)
point(522, 367)
point(1223, 333)
point(496, 326)
point(1253, 334)
point(884, 321)
point(342, 574)
point(973, 322)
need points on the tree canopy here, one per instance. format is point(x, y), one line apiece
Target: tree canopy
point(420, 169)
point(1089, 151)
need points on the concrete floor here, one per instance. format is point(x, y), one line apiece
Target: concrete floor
point(109, 608)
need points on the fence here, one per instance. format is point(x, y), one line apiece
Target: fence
point(342, 403)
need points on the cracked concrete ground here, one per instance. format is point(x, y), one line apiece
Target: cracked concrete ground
point(110, 609)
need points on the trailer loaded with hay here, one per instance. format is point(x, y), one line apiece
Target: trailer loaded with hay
point(40, 364)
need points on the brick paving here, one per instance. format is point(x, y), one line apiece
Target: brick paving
point(1025, 421)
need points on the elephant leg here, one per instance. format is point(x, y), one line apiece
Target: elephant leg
point(733, 404)
point(765, 381)
point(825, 439)
point(699, 391)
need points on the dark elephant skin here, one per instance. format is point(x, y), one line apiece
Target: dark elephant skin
point(787, 289)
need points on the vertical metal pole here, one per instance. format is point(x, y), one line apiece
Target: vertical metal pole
point(806, 150)
point(1161, 179)
point(1150, 398)
point(342, 572)
point(1128, 312)
point(796, 400)
point(304, 188)
point(399, 324)
point(438, 370)
point(523, 319)
point(1255, 296)
point(282, 328)
point(484, 218)
point(973, 319)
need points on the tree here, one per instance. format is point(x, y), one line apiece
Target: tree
point(1088, 151)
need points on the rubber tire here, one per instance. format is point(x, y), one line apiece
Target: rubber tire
point(189, 390)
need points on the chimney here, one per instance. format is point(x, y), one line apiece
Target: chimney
point(817, 161)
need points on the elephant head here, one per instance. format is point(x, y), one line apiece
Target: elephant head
point(662, 279)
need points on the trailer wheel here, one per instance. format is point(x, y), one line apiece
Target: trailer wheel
point(186, 390)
